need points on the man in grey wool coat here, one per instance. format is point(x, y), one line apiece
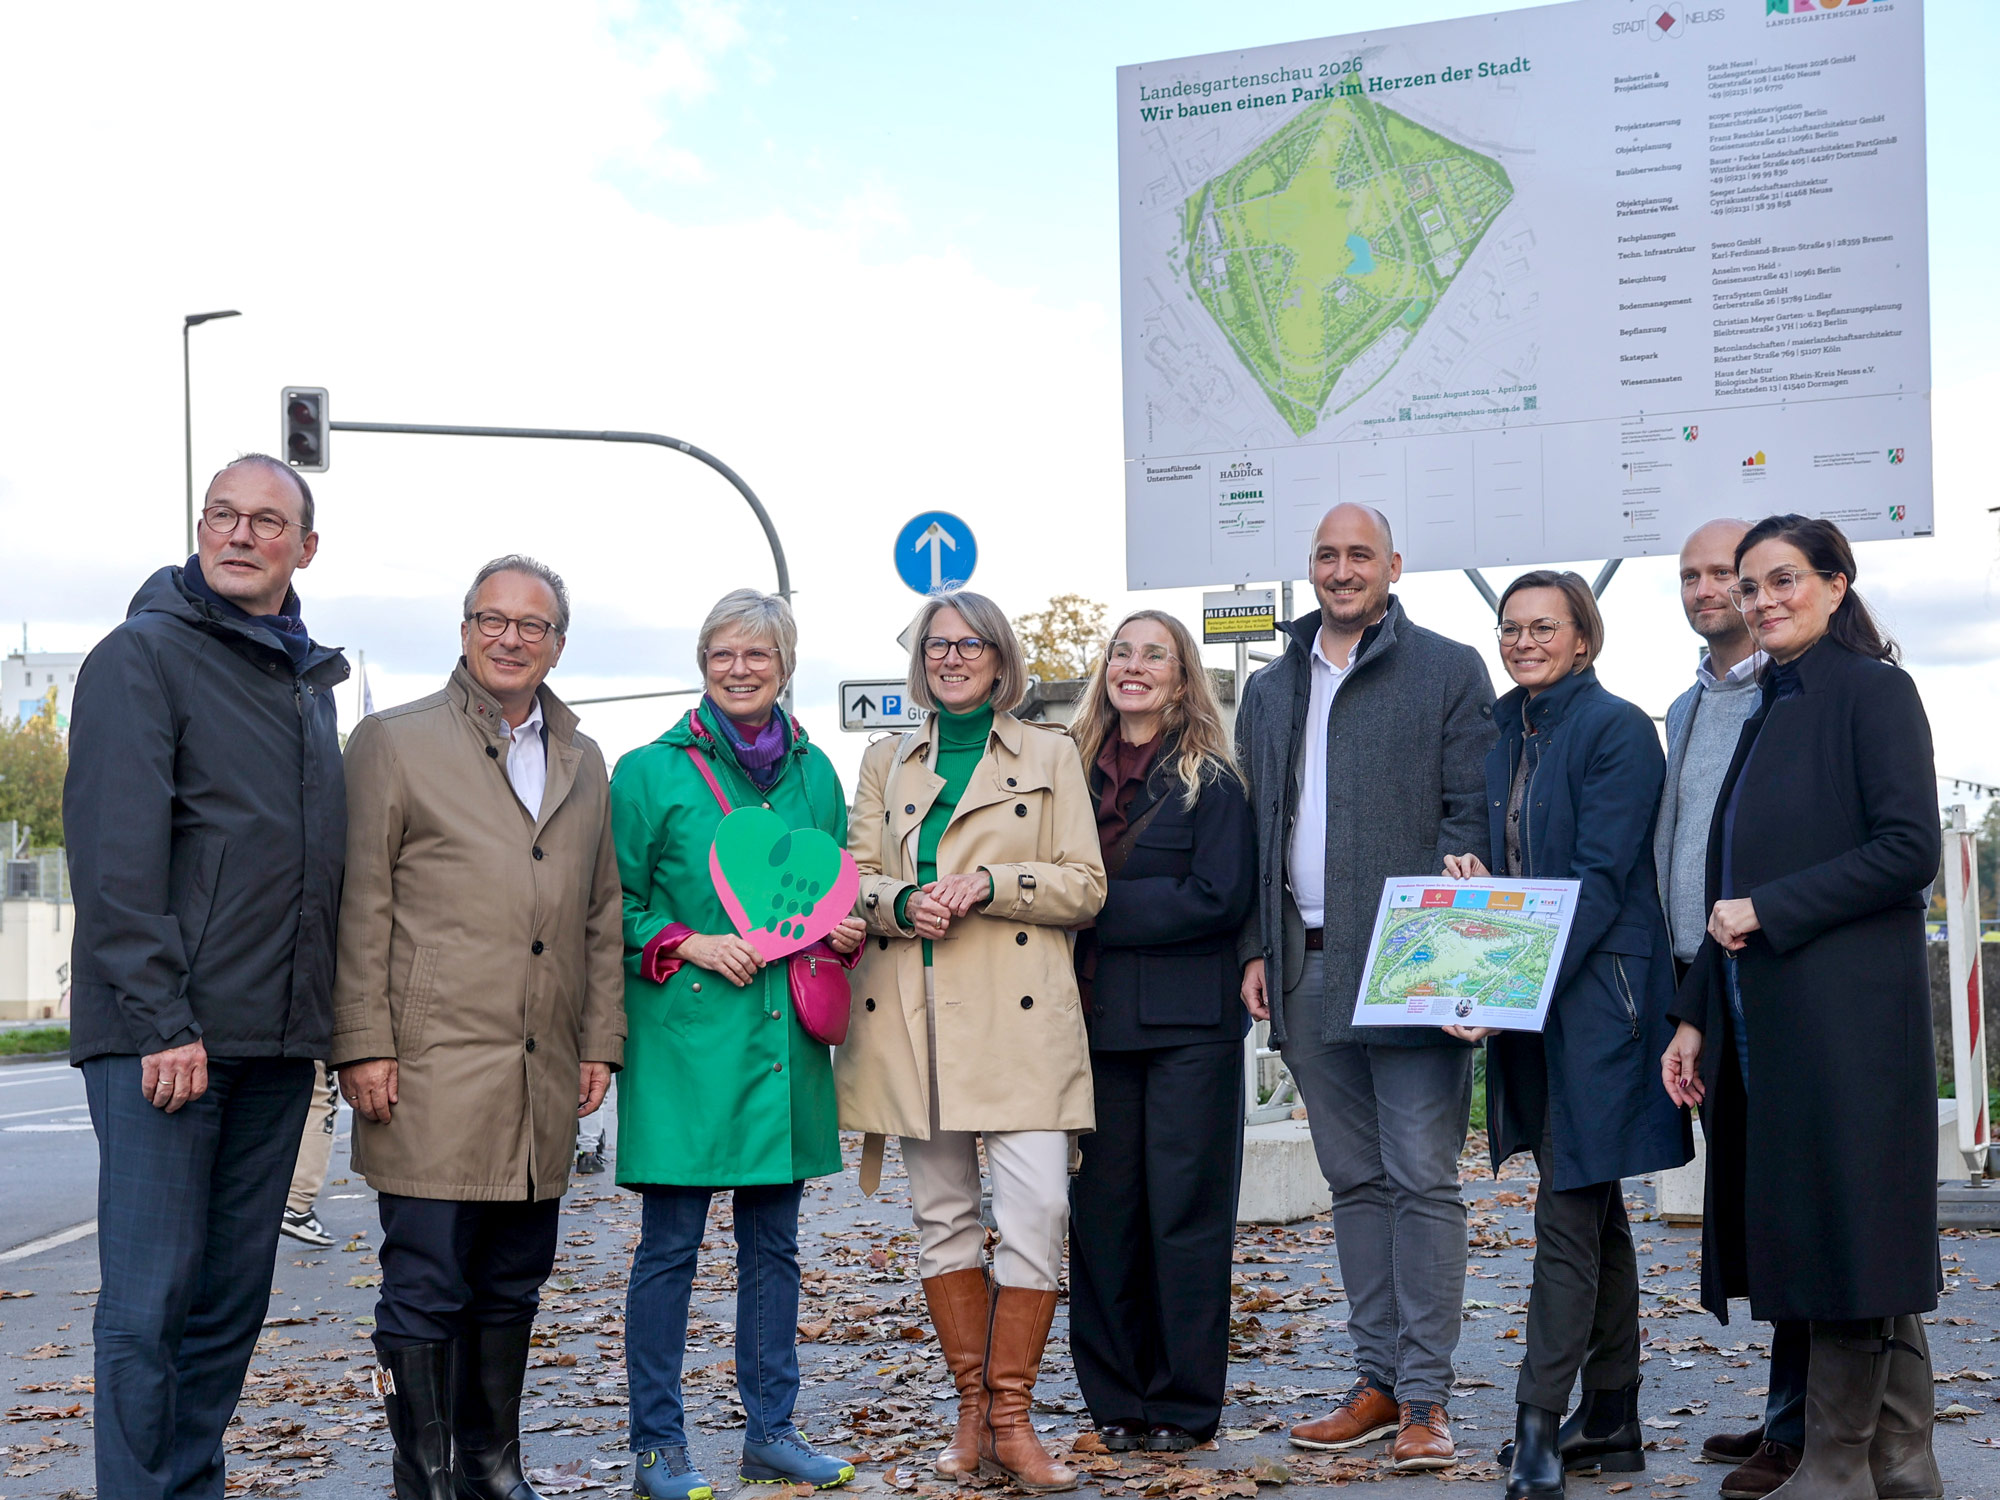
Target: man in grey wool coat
point(1364, 748)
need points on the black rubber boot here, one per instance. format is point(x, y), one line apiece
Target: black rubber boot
point(486, 1414)
point(415, 1382)
point(1537, 1471)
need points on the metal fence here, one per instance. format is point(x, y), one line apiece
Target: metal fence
point(27, 873)
point(40, 877)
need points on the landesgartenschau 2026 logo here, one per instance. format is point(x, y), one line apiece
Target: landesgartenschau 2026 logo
point(1808, 7)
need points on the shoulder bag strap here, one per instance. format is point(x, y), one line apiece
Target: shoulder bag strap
point(708, 775)
point(1118, 853)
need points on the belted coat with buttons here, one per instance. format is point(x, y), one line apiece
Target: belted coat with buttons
point(479, 946)
point(1011, 1048)
point(1594, 774)
point(722, 1087)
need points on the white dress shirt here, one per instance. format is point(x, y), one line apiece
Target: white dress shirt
point(1306, 860)
point(1748, 667)
point(528, 759)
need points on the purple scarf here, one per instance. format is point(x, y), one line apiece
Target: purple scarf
point(762, 756)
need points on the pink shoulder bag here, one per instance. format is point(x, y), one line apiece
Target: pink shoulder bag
point(818, 975)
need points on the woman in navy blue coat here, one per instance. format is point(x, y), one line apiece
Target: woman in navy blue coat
point(1153, 1204)
point(1572, 789)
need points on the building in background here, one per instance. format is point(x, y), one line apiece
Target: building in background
point(36, 920)
point(25, 680)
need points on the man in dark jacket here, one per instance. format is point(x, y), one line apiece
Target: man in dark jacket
point(1364, 746)
point(206, 820)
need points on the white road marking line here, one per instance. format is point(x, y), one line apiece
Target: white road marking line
point(53, 1109)
point(50, 1241)
point(53, 1125)
point(39, 1077)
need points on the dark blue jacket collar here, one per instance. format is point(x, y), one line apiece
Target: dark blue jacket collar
point(1517, 712)
point(166, 592)
point(1811, 670)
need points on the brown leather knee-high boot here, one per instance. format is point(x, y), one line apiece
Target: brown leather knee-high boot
point(1845, 1384)
point(961, 1305)
point(1900, 1457)
point(1009, 1449)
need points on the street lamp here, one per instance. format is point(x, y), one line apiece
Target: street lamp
point(187, 409)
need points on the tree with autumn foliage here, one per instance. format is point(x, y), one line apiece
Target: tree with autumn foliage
point(33, 761)
point(1062, 641)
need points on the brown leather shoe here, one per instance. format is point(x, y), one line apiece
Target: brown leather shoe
point(1017, 1333)
point(1732, 1448)
point(1423, 1437)
point(960, 1303)
point(1367, 1413)
point(1770, 1466)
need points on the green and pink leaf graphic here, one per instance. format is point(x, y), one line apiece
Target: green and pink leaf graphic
point(784, 888)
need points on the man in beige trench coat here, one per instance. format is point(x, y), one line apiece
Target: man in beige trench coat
point(478, 1013)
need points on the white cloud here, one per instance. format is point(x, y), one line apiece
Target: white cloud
point(425, 208)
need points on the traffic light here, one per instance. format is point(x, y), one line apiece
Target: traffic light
point(305, 428)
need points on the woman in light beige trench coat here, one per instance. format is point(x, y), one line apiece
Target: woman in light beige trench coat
point(978, 851)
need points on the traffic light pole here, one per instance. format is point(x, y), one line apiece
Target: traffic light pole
point(566, 434)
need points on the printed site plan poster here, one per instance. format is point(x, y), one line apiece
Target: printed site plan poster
point(1560, 283)
point(1465, 952)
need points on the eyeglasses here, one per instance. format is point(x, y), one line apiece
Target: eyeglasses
point(493, 624)
point(265, 525)
point(937, 648)
point(1746, 594)
point(1540, 631)
point(1123, 652)
point(756, 659)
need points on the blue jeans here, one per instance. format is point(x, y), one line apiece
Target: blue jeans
point(188, 1206)
point(1736, 1026)
point(767, 1309)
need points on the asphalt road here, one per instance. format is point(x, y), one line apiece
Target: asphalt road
point(48, 1155)
point(873, 1386)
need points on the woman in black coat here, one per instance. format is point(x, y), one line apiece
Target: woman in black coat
point(1153, 1206)
point(1805, 1029)
point(1572, 789)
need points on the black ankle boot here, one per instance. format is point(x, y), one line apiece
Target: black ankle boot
point(1603, 1434)
point(416, 1397)
point(486, 1414)
point(1537, 1471)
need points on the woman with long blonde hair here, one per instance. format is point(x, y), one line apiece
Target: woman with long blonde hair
point(1153, 1208)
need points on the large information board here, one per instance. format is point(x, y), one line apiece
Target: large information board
point(1558, 283)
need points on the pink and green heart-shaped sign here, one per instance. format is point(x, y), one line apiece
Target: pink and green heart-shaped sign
point(784, 888)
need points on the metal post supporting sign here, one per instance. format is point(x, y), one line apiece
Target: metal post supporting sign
point(935, 551)
point(1968, 1028)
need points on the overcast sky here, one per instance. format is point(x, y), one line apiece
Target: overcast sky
point(866, 253)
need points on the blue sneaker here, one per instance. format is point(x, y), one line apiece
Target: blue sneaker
point(790, 1459)
point(666, 1474)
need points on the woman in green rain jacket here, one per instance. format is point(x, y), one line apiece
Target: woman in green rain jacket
point(723, 1088)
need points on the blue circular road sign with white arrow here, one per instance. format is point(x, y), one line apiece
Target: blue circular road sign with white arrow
point(935, 551)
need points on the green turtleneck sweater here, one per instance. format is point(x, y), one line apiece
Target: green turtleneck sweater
point(961, 746)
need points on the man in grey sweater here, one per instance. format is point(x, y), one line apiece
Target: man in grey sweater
point(1703, 726)
point(1364, 746)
